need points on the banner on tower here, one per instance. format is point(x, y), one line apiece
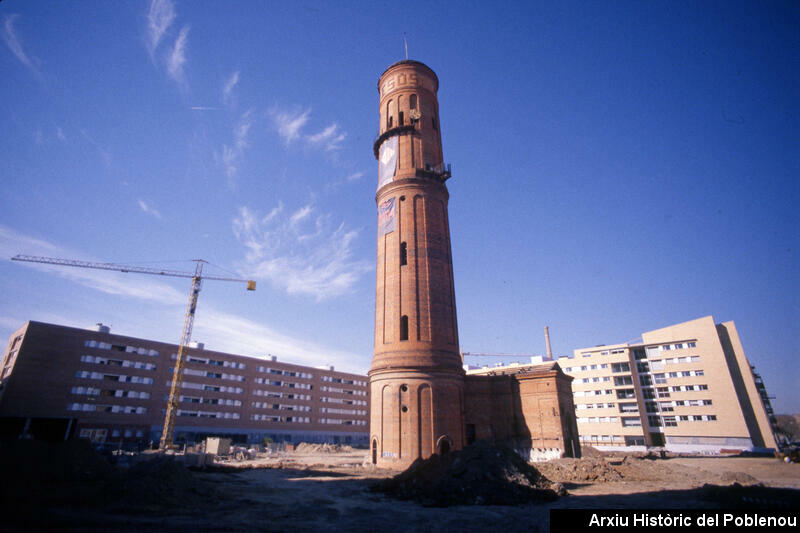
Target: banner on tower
point(387, 221)
point(387, 160)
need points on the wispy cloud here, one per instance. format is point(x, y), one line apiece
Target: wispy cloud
point(177, 57)
point(289, 123)
point(220, 330)
point(300, 252)
point(15, 44)
point(149, 209)
point(232, 154)
point(203, 108)
point(13, 242)
point(227, 89)
point(159, 19)
point(339, 182)
point(355, 176)
point(329, 139)
point(234, 334)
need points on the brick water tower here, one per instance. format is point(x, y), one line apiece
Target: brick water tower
point(416, 379)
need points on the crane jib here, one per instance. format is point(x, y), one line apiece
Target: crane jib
point(197, 279)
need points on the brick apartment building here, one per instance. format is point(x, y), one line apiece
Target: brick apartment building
point(58, 381)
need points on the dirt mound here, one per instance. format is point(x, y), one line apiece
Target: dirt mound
point(586, 469)
point(307, 447)
point(480, 474)
point(751, 497)
point(741, 478)
point(73, 474)
point(591, 451)
point(161, 481)
point(39, 472)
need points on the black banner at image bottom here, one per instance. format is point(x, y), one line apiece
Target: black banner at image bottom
point(671, 520)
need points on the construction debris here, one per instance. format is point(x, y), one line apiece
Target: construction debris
point(307, 447)
point(480, 474)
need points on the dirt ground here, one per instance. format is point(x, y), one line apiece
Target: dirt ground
point(300, 492)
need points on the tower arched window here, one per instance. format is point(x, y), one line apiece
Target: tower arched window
point(404, 328)
point(400, 116)
point(389, 118)
point(412, 101)
point(403, 254)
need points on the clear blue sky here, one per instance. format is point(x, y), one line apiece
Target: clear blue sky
point(617, 167)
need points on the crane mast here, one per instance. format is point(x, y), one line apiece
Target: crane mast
point(177, 375)
point(188, 323)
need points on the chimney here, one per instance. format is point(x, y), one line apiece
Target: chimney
point(547, 342)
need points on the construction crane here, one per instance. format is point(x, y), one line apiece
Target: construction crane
point(188, 323)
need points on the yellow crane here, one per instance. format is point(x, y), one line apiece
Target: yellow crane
point(188, 323)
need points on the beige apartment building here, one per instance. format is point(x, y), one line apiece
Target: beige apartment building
point(686, 388)
point(58, 381)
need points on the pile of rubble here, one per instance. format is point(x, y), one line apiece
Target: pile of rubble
point(73, 474)
point(586, 469)
point(307, 447)
point(158, 482)
point(480, 474)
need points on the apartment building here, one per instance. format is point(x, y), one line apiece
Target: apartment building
point(58, 381)
point(687, 387)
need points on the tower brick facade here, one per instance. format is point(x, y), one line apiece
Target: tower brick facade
point(416, 379)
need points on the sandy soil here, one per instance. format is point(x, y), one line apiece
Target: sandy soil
point(329, 492)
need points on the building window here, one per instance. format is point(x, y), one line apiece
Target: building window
point(400, 118)
point(623, 380)
point(620, 367)
point(412, 101)
point(403, 254)
point(404, 328)
point(631, 421)
point(691, 345)
point(638, 353)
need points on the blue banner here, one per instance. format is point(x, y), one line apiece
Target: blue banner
point(387, 221)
